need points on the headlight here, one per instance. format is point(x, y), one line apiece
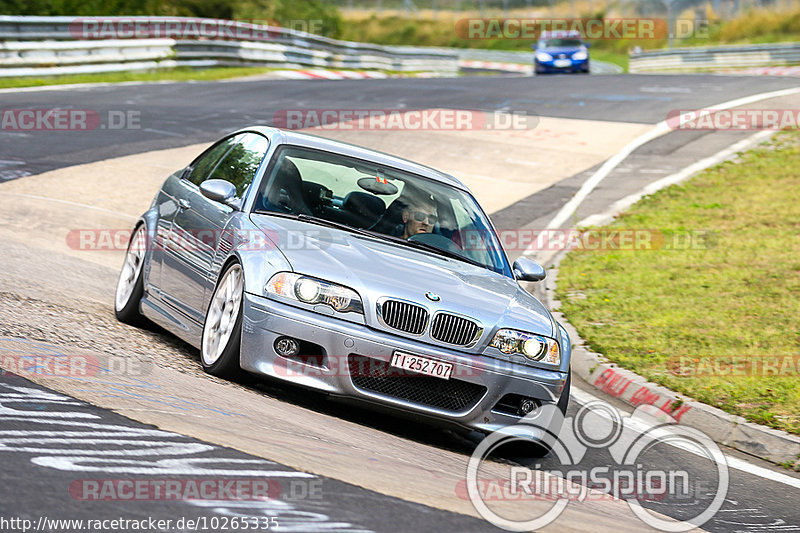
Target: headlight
point(580, 55)
point(543, 56)
point(534, 347)
point(314, 291)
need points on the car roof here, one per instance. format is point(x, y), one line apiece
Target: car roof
point(307, 140)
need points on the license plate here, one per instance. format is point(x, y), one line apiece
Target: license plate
point(422, 365)
point(562, 63)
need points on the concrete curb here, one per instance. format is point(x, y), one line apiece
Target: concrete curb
point(608, 378)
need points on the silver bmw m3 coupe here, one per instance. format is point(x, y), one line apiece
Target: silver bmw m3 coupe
point(349, 271)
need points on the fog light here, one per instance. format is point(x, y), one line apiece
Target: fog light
point(526, 405)
point(287, 346)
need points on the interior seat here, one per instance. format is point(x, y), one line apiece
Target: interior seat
point(286, 193)
point(391, 222)
point(363, 209)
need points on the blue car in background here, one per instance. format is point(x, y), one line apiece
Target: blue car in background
point(561, 52)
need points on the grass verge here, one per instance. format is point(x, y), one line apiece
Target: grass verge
point(175, 74)
point(717, 319)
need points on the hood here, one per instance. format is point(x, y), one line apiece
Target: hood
point(561, 49)
point(376, 269)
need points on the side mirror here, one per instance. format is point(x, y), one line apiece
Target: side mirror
point(220, 191)
point(587, 45)
point(528, 270)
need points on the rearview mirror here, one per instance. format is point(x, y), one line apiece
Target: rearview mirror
point(220, 191)
point(528, 270)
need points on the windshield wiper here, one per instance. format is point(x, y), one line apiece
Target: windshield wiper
point(438, 251)
point(311, 219)
point(338, 225)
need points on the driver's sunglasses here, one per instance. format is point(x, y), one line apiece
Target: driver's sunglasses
point(420, 216)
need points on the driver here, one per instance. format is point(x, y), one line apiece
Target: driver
point(419, 216)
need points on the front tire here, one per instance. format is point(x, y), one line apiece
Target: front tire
point(540, 449)
point(222, 330)
point(130, 286)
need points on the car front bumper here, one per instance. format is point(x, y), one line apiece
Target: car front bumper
point(470, 398)
point(569, 65)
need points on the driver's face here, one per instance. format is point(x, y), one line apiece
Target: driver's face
point(419, 219)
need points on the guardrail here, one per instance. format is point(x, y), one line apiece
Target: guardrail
point(62, 45)
point(469, 56)
point(715, 58)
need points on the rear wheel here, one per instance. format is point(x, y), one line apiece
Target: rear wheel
point(130, 286)
point(222, 331)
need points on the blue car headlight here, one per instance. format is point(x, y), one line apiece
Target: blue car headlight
point(543, 56)
point(580, 55)
point(535, 348)
point(313, 291)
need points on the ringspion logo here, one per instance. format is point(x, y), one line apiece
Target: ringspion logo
point(564, 479)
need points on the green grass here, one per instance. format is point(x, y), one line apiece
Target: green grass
point(610, 56)
point(735, 294)
point(176, 74)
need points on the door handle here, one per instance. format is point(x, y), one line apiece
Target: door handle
point(183, 204)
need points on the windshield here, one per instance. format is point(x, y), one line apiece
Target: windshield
point(563, 43)
point(384, 201)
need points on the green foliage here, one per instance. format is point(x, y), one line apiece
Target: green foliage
point(732, 291)
point(75, 7)
point(316, 16)
point(761, 26)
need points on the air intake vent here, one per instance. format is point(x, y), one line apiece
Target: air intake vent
point(379, 377)
point(225, 246)
point(454, 329)
point(404, 316)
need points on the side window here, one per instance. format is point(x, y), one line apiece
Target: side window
point(239, 165)
point(462, 217)
point(203, 166)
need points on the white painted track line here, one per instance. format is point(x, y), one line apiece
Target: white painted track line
point(583, 398)
point(658, 130)
point(621, 205)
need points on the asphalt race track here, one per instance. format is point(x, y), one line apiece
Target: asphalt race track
point(173, 114)
point(331, 466)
